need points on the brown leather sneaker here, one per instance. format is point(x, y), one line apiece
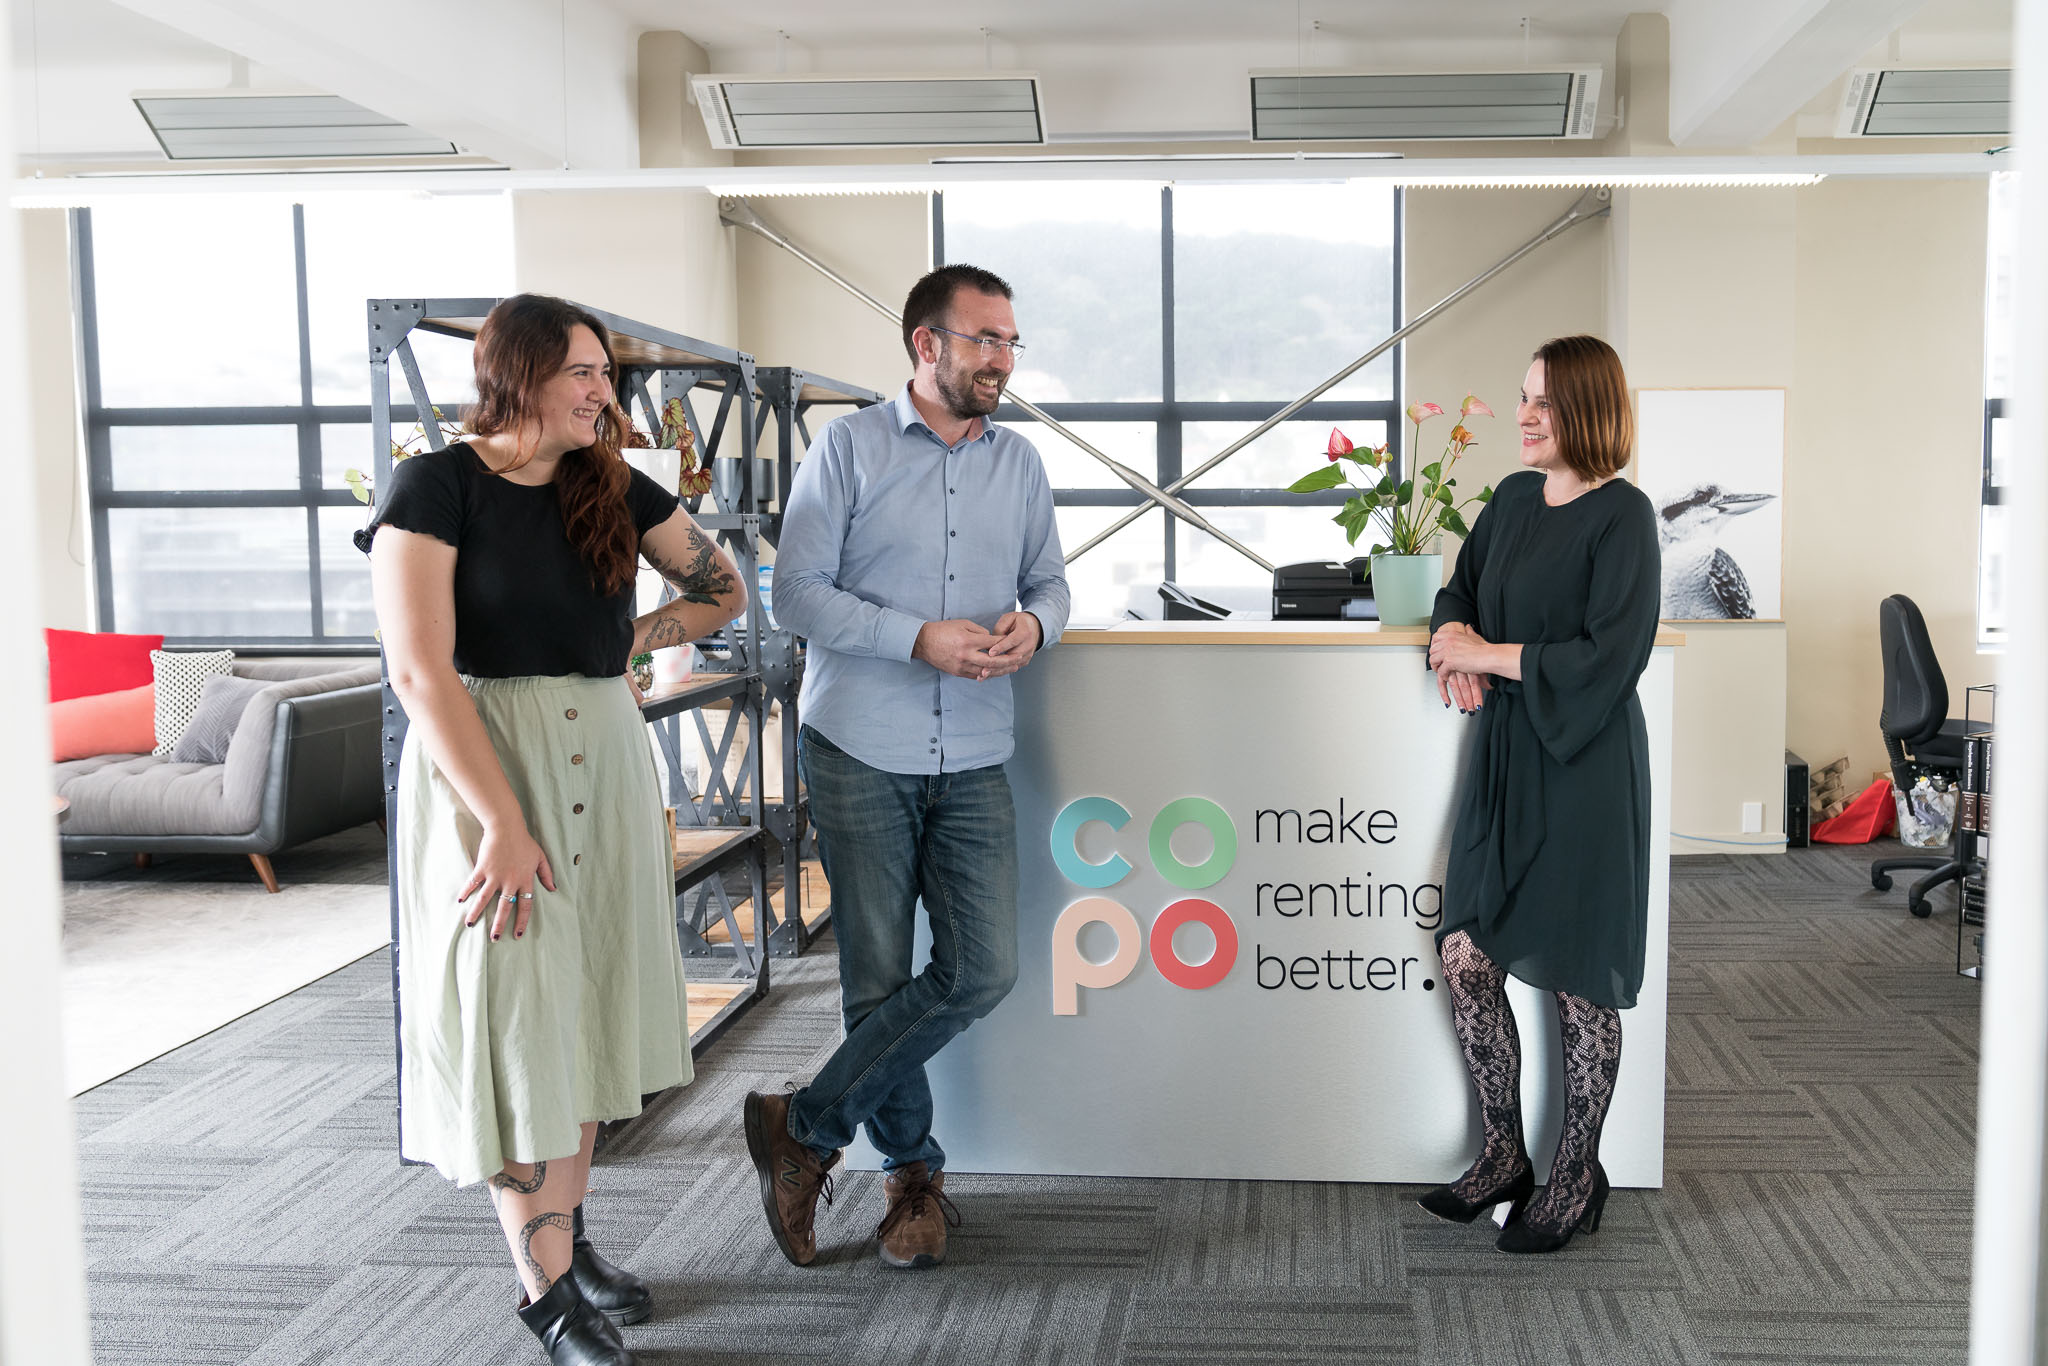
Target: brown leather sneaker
point(792, 1177)
point(913, 1232)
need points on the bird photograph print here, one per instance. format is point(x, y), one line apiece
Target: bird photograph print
point(1713, 464)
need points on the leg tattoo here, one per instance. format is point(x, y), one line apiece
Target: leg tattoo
point(541, 1280)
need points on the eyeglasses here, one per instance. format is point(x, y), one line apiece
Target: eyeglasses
point(989, 345)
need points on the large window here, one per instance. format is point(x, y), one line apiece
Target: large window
point(226, 380)
point(1998, 340)
point(1163, 324)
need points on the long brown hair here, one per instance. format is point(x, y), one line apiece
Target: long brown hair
point(1589, 409)
point(520, 347)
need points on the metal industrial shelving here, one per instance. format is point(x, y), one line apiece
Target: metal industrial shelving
point(719, 823)
point(788, 395)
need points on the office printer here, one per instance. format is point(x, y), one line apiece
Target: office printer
point(1325, 590)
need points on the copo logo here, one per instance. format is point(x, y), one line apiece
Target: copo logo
point(1070, 970)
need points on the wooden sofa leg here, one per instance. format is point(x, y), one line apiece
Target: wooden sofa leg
point(142, 860)
point(265, 871)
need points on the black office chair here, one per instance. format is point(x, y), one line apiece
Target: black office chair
point(1919, 737)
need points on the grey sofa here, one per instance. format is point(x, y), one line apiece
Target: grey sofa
point(304, 762)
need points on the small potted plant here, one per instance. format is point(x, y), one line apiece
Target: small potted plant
point(1407, 517)
point(693, 479)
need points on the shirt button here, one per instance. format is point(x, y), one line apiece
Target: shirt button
point(577, 859)
point(949, 578)
point(935, 711)
point(952, 533)
point(934, 739)
point(577, 809)
point(571, 713)
point(575, 758)
point(952, 490)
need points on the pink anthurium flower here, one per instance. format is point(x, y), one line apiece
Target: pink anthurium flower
point(1340, 444)
point(1419, 413)
point(1472, 405)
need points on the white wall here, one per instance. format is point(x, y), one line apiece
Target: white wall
point(55, 464)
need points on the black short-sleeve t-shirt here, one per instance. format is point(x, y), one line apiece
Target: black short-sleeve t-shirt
point(524, 601)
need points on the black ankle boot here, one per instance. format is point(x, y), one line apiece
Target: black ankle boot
point(1446, 1203)
point(619, 1295)
point(1522, 1236)
point(572, 1330)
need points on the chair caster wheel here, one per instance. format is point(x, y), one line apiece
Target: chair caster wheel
point(1919, 907)
point(1881, 881)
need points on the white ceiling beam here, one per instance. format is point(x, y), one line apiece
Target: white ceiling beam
point(534, 85)
point(1741, 68)
point(920, 177)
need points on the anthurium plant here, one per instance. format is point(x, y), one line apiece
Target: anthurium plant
point(1408, 516)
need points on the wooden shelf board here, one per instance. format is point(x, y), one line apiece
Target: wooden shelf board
point(697, 846)
point(706, 999)
point(817, 903)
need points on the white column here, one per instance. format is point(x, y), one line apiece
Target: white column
point(42, 1269)
point(2006, 1290)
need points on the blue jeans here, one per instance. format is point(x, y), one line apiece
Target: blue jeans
point(888, 840)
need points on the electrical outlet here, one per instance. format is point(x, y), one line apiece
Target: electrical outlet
point(1752, 818)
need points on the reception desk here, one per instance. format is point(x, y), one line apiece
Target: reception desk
point(1232, 845)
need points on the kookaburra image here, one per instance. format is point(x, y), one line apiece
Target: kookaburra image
point(1702, 581)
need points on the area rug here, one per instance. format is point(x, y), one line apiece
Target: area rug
point(154, 958)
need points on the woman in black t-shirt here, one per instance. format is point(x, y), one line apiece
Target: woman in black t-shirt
point(539, 978)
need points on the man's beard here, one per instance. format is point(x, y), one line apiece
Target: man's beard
point(956, 387)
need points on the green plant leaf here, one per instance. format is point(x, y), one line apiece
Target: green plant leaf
point(1486, 494)
point(1385, 488)
point(1433, 471)
point(1456, 523)
point(1444, 496)
point(1328, 477)
point(1406, 491)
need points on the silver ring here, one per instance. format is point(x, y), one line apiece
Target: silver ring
point(526, 896)
point(508, 897)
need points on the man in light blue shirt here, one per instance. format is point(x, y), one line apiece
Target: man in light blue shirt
point(920, 558)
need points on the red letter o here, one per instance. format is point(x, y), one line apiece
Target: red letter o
point(1192, 976)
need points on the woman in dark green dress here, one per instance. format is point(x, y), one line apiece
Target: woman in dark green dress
point(1541, 633)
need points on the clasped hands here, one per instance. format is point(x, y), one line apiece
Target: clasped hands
point(966, 650)
point(1456, 653)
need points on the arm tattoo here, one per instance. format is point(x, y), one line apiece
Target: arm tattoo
point(541, 1280)
point(702, 579)
point(664, 632)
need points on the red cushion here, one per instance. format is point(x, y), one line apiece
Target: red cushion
point(83, 663)
point(106, 723)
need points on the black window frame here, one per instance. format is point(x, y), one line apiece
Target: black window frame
point(1172, 415)
point(305, 416)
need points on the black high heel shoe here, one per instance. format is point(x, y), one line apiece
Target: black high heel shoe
point(1446, 1204)
point(1519, 1236)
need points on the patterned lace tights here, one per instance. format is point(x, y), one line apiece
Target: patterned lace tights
point(1485, 1024)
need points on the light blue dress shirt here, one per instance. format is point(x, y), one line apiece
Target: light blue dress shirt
point(886, 528)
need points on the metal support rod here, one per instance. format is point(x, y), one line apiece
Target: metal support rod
point(738, 213)
point(1594, 203)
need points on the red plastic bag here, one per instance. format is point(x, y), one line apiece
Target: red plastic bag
point(1871, 816)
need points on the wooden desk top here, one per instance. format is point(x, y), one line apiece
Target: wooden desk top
point(1352, 633)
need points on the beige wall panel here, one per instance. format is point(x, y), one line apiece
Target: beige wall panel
point(656, 256)
point(792, 315)
point(1707, 302)
point(1881, 496)
point(57, 460)
point(1481, 344)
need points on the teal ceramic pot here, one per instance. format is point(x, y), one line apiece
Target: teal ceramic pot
point(1405, 587)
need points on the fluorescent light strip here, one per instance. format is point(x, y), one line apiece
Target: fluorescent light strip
point(1749, 180)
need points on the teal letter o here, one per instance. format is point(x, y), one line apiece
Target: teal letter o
point(1202, 812)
